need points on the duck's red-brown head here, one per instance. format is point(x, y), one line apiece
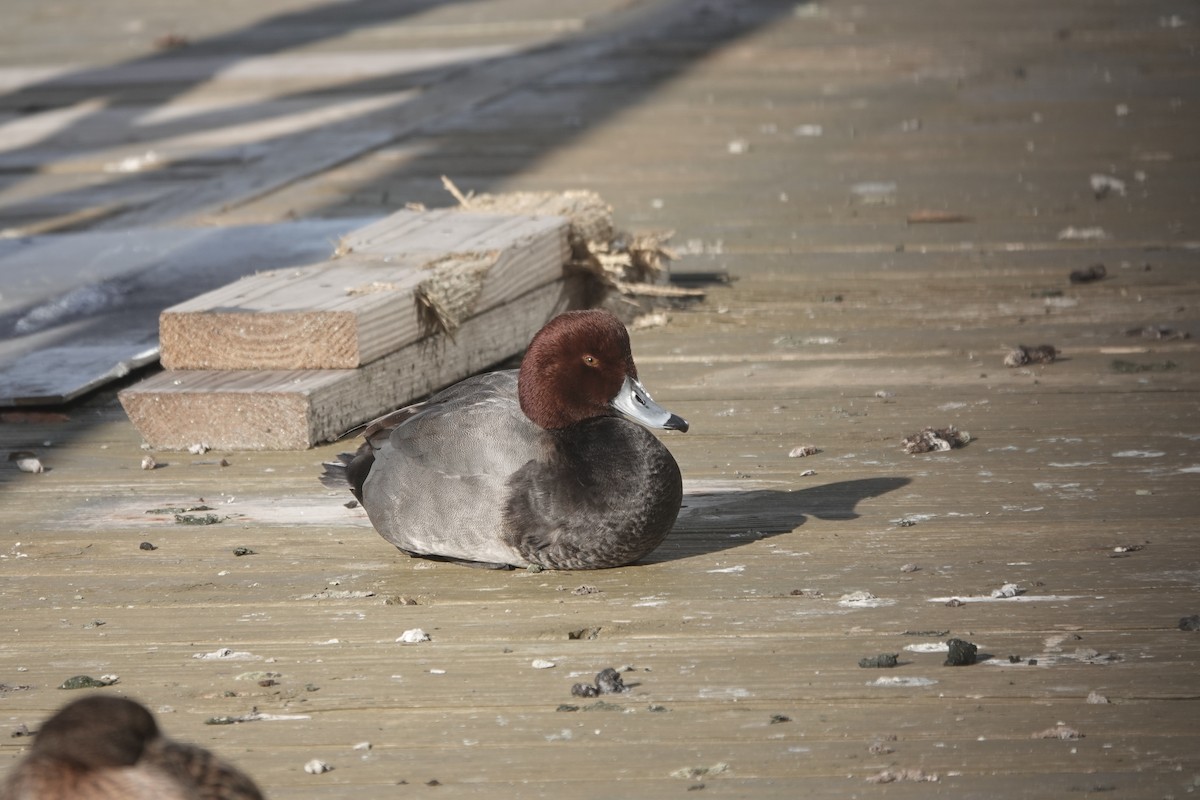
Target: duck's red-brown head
point(580, 366)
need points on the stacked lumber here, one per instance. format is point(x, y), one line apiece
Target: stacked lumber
point(289, 358)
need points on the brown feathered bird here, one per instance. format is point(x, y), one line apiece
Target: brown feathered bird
point(103, 747)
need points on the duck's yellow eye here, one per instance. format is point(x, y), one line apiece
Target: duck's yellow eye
point(590, 360)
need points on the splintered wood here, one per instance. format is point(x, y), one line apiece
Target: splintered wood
point(290, 358)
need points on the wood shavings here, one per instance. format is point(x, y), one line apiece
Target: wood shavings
point(448, 296)
point(935, 440)
point(1022, 355)
point(691, 773)
point(1059, 731)
point(894, 775)
point(934, 217)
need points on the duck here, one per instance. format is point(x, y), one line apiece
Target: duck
point(105, 747)
point(551, 465)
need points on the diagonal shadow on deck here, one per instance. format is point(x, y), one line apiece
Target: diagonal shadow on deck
point(714, 521)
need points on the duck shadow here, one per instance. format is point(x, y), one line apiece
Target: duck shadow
point(712, 521)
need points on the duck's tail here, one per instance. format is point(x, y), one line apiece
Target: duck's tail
point(336, 474)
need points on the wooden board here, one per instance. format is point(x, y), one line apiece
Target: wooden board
point(370, 301)
point(295, 409)
point(79, 309)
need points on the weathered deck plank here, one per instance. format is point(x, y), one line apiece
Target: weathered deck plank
point(1069, 460)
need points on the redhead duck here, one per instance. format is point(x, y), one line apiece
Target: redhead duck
point(539, 466)
point(103, 747)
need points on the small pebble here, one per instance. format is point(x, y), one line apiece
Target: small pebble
point(29, 463)
point(803, 451)
point(935, 440)
point(413, 636)
point(881, 661)
point(609, 681)
point(316, 767)
point(541, 663)
point(961, 653)
point(1191, 623)
point(147, 546)
point(1042, 354)
point(1089, 274)
point(88, 682)
point(148, 462)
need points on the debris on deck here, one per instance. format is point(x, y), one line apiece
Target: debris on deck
point(935, 439)
point(1022, 355)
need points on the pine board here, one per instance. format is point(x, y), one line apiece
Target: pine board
point(349, 311)
point(295, 409)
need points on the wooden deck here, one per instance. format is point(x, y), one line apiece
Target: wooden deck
point(788, 144)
